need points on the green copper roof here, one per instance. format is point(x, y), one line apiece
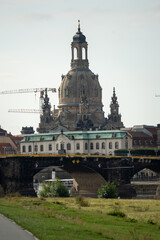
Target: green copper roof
point(77, 135)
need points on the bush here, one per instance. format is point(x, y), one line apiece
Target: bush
point(117, 214)
point(132, 220)
point(121, 152)
point(56, 189)
point(151, 221)
point(80, 200)
point(109, 190)
point(143, 152)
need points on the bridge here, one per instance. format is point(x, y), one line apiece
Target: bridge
point(17, 171)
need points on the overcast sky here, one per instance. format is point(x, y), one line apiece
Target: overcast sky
point(123, 44)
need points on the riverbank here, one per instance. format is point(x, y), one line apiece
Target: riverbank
point(87, 219)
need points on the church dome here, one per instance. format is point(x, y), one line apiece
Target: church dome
point(79, 83)
point(80, 94)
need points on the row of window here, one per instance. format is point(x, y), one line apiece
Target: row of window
point(140, 142)
point(91, 146)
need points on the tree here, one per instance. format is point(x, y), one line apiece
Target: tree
point(109, 190)
point(56, 189)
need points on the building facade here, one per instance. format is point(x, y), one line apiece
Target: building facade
point(80, 97)
point(144, 136)
point(76, 142)
point(9, 144)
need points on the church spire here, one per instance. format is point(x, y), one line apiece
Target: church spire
point(114, 117)
point(114, 97)
point(79, 25)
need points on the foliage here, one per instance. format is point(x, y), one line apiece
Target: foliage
point(80, 200)
point(143, 152)
point(56, 189)
point(109, 190)
point(132, 220)
point(151, 221)
point(117, 214)
point(121, 152)
point(137, 152)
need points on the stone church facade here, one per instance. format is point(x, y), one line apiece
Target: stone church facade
point(80, 97)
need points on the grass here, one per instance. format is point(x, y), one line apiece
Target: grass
point(66, 218)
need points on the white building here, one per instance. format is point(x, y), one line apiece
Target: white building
point(78, 142)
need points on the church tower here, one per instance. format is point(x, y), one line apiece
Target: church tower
point(46, 119)
point(114, 118)
point(79, 48)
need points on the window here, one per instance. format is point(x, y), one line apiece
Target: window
point(135, 142)
point(77, 146)
point(86, 146)
point(97, 145)
point(50, 147)
point(29, 148)
point(116, 145)
point(62, 146)
point(103, 145)
point(146, 142)
point(66, 92)
point(91, 145)
point(126, 144)
point(36, 148)
point(83, 53)
point(110, 145)
point(57, 146)
point(41, 148)
point(75, 54)
point(151, 142)
point(23, 148)
point(68, 146)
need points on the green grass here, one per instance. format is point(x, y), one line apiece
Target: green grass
point(65, 219)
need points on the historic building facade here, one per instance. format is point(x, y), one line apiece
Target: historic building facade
point(80, 97)
point(76, 142)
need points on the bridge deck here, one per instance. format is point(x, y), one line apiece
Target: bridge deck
point(78, 156)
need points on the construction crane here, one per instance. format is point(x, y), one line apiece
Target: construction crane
point(29, 90)
point(25, 110)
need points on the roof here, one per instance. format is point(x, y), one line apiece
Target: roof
point(4, 147)
point(139, 135)
point(77, 135)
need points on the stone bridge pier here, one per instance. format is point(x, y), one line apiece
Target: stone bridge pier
point(16, 175)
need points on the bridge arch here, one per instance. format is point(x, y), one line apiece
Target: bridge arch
point(86, 180)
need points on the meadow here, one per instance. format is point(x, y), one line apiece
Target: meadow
point(85, 218)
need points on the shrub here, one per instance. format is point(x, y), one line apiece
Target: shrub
point(109, 190)
point(132, 220)
point(121, 152)
point(80, 200)
point(143, 152)
point(151, 221)
point(56, 189)
point(117, 214)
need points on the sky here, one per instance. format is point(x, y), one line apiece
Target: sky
point(123, 49)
